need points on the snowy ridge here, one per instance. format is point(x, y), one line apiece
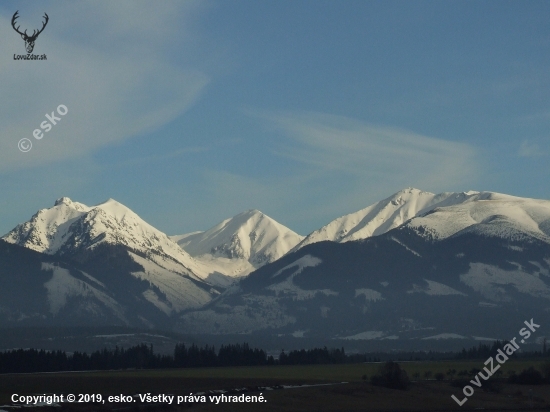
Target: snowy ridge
point(440, 216)
point(382, 216)
point(70, 227)
point(241, 244)
point(48, 229)
point(489, 214)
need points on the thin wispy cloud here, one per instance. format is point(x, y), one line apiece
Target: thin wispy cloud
point(340, 144)
point(120, 84)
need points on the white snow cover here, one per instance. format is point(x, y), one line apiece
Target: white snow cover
point(287, 286)
point(62, 286)
point(488, 280)
point(267, 313)
point(405, 246)
point(180, 292)
point(382, 216)
point(304, 262)
point(48, 228)
point(435, 289)
point(441, 215)
point(369, 335)
point(488, 213)
point(71, 226)
point(369, 294)
point(241, 244)
point(446, 336)
point(542, 270)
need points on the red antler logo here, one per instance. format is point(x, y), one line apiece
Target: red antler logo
point(29, 40)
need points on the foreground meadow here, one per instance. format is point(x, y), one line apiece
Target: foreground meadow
point(355, 394)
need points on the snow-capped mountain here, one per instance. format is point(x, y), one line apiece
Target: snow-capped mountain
point(415, 267)
point(476, 266)
point(69, 227)
point(383, 216)
point(238, 245)
point(109, 288)
point(489, 214)
point(71, 230)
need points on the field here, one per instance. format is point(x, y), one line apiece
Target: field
point(355, 395)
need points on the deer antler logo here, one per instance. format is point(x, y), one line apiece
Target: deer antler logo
point(29, 40)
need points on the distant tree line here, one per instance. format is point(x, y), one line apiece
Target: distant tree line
point(32, 360)
point(228, 355)
point(314, 356)
point(484, 351)
point(143, 357)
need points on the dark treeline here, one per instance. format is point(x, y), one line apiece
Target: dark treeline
point(32, 360)
point(143, 357)
point(228, 355)
point(315, 356)
point(484, 351)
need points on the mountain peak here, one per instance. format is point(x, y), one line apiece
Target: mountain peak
point(382, 216)
point(410, 190)
point(71, 226)
point(240, 244)
point(63, 200)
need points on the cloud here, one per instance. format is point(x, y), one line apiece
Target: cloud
point(110, 63)
point(329, 143)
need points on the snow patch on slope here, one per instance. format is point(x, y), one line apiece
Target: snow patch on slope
point(267, 313)
point(63, 286)
point(405, 246)
point(369, 335)
point(435, 289)
point(303, 262)
point(489, 281)
point(369, 294)
point(446, 336)
point(180, 291)
point(287, 286)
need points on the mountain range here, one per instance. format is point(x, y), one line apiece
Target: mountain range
point(415, 267)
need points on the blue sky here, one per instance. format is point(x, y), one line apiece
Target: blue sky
point(190, 112)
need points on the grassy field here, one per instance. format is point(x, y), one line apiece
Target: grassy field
point(355, 395)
